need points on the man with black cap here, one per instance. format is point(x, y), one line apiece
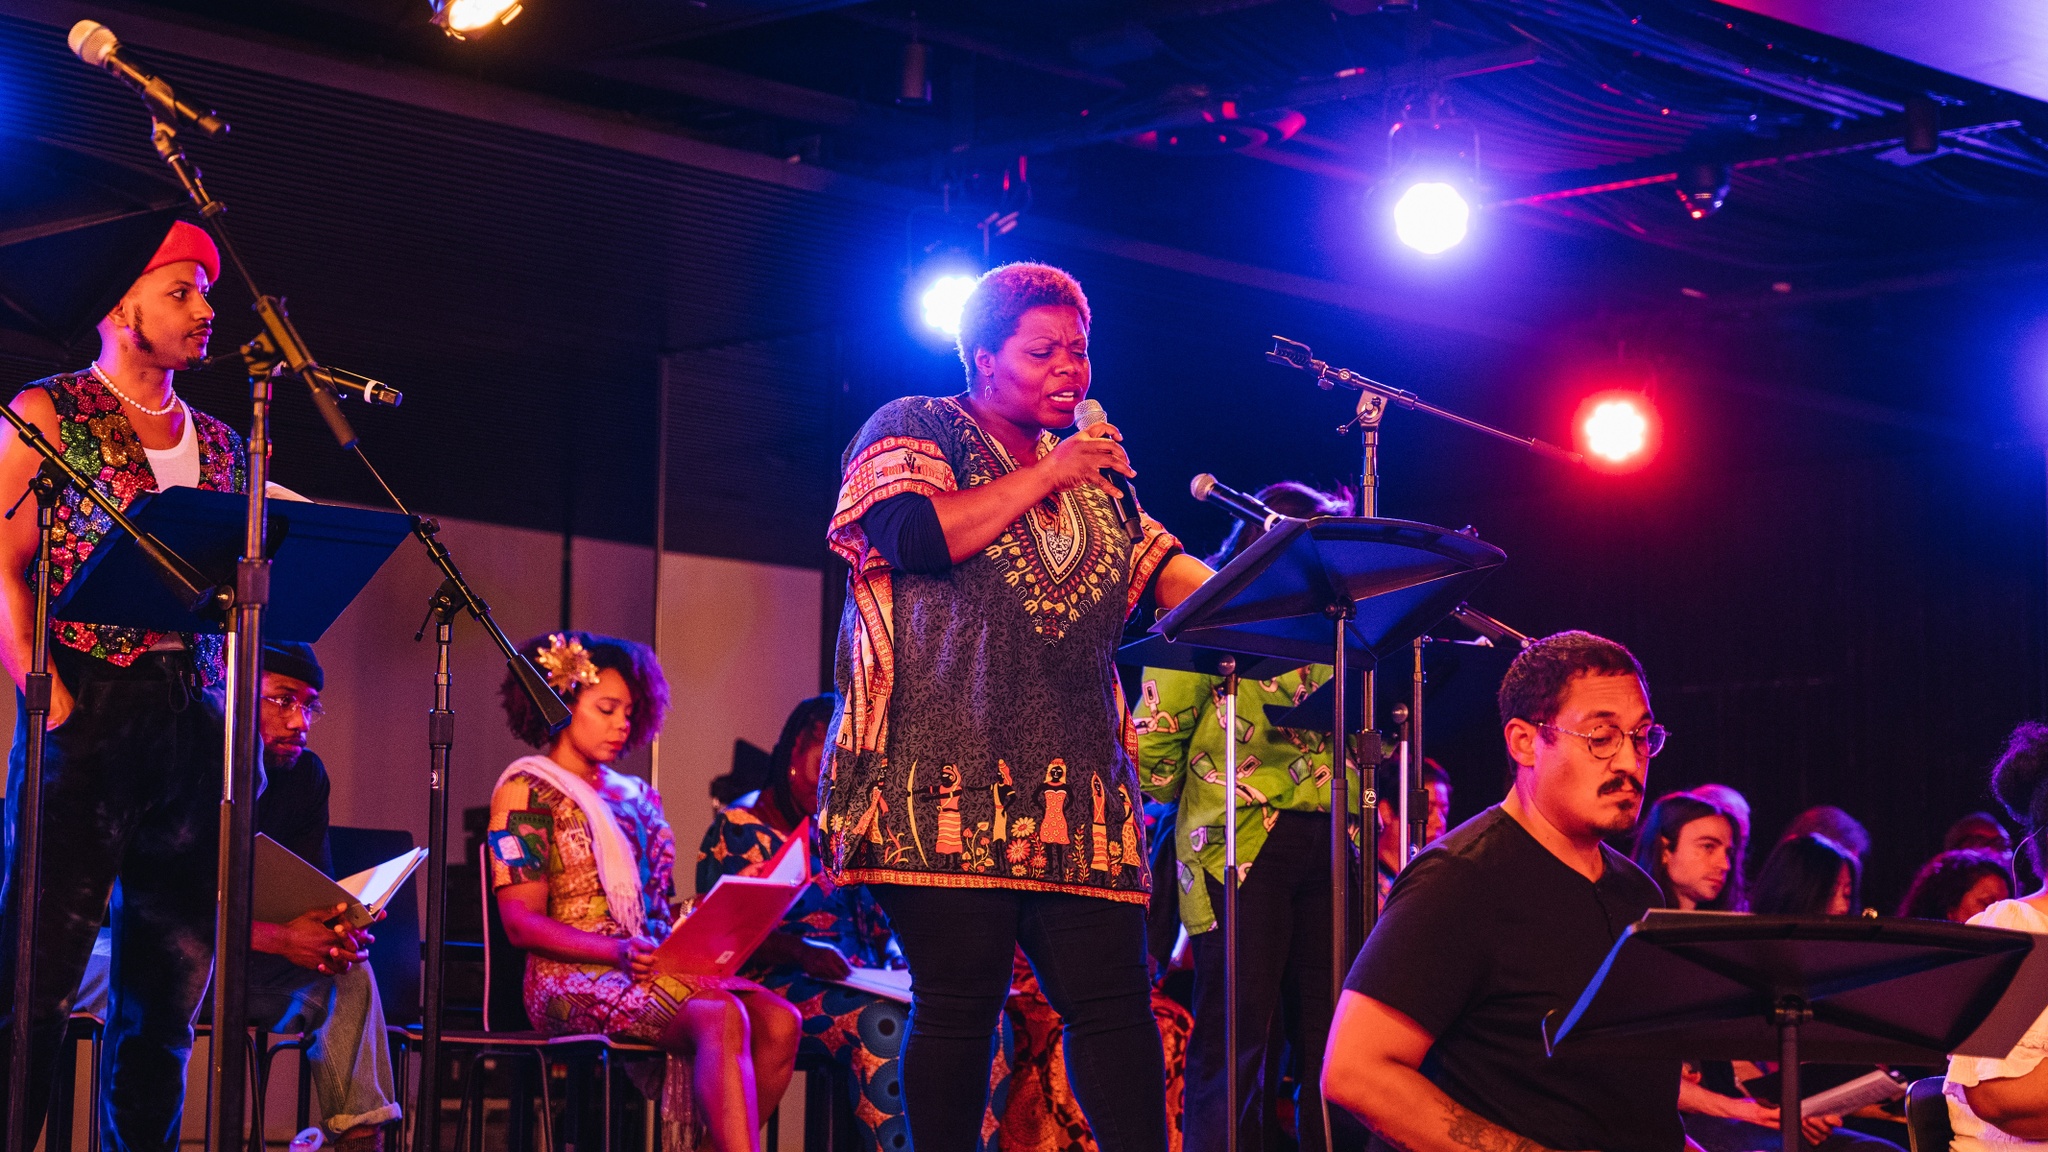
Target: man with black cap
point(308, 975)
point(132, 771)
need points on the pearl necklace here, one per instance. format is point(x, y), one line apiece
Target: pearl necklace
point(100, 374)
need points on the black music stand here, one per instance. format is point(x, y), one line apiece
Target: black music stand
point(1337, 588)
point(1727, 986)
point(321, 556)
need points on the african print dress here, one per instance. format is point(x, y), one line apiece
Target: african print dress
point(564, 998)
point(982, 740)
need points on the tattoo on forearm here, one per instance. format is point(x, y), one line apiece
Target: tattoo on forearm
point(1468, 1130)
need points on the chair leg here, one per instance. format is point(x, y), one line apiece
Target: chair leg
point(304, 1117)
point(63, 1099)
point(258, 1052)
point(604, 1140)
point(547, 1105)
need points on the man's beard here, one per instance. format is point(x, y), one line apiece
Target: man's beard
point(277, 759)
point(1624, 819)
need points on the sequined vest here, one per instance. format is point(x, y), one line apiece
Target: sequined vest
point(101, 444)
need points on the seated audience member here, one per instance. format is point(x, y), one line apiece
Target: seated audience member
point(583, 861)
point(1730, 801)
point(1692, 849)
point(1807, 875)
point(1833, 823)
point(1438, 1042)
point(828, 932)
point(1437, 783)
point(1957, 885)
point(2003, 1104)
point(308, 975)
point(1978, 830)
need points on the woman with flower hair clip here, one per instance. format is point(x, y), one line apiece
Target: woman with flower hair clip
point(583, 864)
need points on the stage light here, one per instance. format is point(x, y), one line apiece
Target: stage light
point(1618, 431)
point(462, 19)
point(1702, 188)
point(1431, 217)
point(942, 300)
point(1434, 163)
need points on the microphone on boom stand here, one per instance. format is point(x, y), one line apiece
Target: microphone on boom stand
point(1242, 505)
point(344, 382)
point(96, 44)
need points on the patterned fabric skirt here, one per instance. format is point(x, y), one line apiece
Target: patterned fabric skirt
point(864, 1033)
point(1042, 1114)
point(567, 999)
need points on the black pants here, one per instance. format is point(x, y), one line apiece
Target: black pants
point(1089, 955)
point(1283, 965)
point(131, 792)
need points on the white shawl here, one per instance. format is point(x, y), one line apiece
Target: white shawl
point(617, 871)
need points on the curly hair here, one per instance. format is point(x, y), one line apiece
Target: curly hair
point(1002, 296)
point(1536, 682)
point(1943, 881)
point(1799, 876)
point(1288, 498)
point(2017, 781)
point(634, 662)
point(1660, 832)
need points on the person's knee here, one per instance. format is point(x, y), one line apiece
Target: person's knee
point(716, 1017)
point(956, 1015)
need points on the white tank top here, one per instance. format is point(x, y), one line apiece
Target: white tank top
point(177, 467)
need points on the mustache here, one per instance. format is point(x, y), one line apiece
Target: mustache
point(1619, 783)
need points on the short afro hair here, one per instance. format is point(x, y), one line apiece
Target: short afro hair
point(1536, 682)
point(634, 662)
point(1002, 296)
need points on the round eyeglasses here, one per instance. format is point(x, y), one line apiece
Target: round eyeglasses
point(1605, 741)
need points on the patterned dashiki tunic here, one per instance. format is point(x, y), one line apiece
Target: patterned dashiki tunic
point(982, 740)
point(564, 998)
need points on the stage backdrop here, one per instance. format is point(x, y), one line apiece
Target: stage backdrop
point(739, 639)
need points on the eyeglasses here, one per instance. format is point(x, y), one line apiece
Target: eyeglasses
point(1604, 742)
point(312, 712)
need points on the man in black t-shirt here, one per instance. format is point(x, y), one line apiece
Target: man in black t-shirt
point(1438, 1042)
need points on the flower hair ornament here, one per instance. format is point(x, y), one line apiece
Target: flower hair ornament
point(567, 663)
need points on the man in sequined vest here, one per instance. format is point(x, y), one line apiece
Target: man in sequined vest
point(132, 771)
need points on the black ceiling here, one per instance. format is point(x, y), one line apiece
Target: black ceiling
point(1563, 94)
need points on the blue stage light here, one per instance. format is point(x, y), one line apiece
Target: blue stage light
point(1431, 217)
point(942, 300)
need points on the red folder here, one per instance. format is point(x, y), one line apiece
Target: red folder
point(738, 913)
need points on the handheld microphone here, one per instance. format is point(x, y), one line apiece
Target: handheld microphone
point(96, 44)
point(1087, 415)
point(1242, 505)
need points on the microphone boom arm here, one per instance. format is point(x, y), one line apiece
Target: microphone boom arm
point(1295, 354)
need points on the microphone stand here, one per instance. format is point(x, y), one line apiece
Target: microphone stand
point(192, 590)
point(279, 350)
point(1373, 398)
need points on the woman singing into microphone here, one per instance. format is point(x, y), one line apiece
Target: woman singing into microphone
point(979, 780)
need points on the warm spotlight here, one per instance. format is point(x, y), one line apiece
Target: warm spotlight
point(1431, 217)
point(465, 18)
point(942, 300)
point(1618, 431)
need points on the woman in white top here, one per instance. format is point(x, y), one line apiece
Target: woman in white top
point(2003, 1104)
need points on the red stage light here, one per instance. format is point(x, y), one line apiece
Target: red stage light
point(1617, 430)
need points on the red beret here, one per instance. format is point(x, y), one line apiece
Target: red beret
point(187, 241)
